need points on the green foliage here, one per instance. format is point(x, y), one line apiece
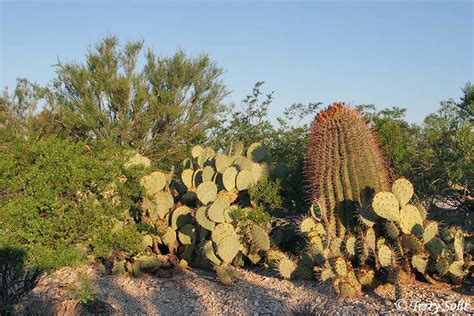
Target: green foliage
point(170, 102)
point(132, 191)
point(18, 111)
point(126, 239)
point(245, 217)
point(84, 292)
point(447, 150)
point(396, 136)
point(437, 155)
point(288, 145)
point(467, 102)
point(51, 198)
point(267, 193)
point(249, 125)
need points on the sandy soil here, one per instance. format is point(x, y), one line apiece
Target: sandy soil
point(257, 292)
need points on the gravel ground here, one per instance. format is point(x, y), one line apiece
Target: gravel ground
point(257, 292)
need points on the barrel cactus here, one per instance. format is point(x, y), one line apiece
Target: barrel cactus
point(344, 164)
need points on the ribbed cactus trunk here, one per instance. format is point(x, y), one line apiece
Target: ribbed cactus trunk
point(343, 164)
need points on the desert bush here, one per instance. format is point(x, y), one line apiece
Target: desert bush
point(267, 193)
point(436, 155)
point(84, 291)
point(160, 108)
point(52, 200)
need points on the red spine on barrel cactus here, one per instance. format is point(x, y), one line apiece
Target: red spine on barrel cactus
point(343, 162)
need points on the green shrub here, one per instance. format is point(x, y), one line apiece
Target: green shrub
point(267, 193)
point(247, 216)
point(126, 239)
point(84, 292)
point(53, 204)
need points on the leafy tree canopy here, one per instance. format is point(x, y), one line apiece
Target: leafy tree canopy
point(159, 108)
point(436, 155)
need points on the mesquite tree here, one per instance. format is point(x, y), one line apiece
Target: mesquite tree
point(160, 108)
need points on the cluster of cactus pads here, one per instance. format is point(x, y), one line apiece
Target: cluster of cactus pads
point(393, 241)
point(430, 249)
point(362, 231)
point(356, 238)
point(191, 211)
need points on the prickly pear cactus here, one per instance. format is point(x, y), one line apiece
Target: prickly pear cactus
point(385, 205)
point(395, 239)
point(403, 190)
point(192, 211)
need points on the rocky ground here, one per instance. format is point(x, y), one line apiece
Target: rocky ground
point(257, 292)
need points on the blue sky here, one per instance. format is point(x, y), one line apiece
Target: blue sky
point(411, 54)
